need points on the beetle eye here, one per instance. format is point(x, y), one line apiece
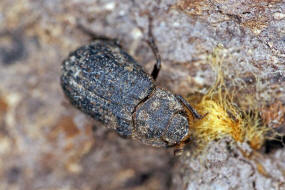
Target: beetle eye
point(177, 130)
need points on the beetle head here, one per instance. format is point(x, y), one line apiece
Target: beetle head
point(177, 130)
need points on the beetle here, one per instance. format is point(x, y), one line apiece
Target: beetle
point(105, 82)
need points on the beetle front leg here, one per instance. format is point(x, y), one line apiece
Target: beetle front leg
point(189, 107)
point(179, 148)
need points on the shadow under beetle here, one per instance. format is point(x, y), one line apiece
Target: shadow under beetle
point(105, 82)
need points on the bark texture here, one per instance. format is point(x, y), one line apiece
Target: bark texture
point(47, 144)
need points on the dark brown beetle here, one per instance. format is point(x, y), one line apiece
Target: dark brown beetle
point(106, 83)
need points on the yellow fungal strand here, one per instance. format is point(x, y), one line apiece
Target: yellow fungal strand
point(224, 118)
point(217, 123)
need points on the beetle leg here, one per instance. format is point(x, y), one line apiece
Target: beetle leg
point(95, 36)
point(189, 107)
point(152, 44)
point(179, 148)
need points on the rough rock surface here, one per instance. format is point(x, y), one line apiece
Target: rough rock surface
point(47, 144)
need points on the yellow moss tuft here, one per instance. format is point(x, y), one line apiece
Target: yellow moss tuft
point(224, 117)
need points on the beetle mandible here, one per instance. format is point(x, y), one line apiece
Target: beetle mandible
point(105, 82)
